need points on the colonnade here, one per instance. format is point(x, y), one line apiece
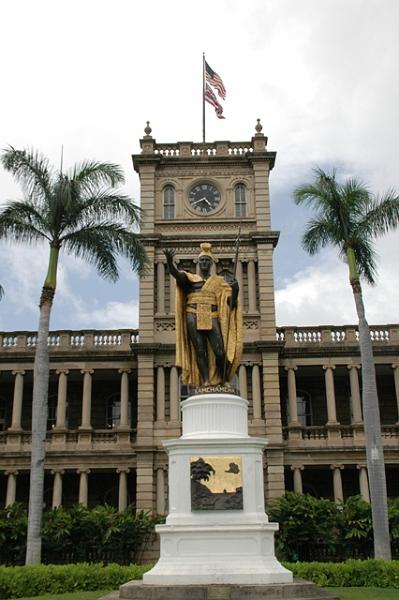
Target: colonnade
point(332, 421)
point(162, 373)
point(336, 470)
point(61, 418)
point(83, 492)
point(245, 277)
point(161, 483)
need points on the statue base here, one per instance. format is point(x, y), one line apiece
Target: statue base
point(298, 590)
point(217, 531)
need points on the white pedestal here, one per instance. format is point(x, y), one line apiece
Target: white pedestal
point(216, 546)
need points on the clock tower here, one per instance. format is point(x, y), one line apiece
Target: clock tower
point(193, 193)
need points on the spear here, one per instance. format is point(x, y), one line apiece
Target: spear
point(237, 246)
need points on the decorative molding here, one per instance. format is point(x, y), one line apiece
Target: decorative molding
point(165, 326)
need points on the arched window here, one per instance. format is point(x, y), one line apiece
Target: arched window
point(169, 202)
point(240, 200)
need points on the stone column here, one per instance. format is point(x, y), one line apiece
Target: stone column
point(86, 399)
point(355, 394)
point(364, 483)
point(17, 401)
point(172, 294)
point(337, 483)
point(256, 393)
point(297, 470)
point(124, 417)
point(240, 282)
point(11, 487)
point(83, 486)
point(122, 496)
point(57, 488)
point(242, 380)
point(160, 287)
point(251, 286)
point(292, 396)
point(330, 395)
point(396, 379)
point(174, 396)
point(160, 406)
point(160, 491)
point(61, 399)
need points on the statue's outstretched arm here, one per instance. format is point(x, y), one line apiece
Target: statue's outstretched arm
point(180, 276)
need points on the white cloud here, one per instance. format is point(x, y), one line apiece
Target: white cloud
point(114, 315)
point(321, 75)
point(321, 293)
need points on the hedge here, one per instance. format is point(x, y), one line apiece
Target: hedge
point(17, 582)
point(317, 529)
point(78, 534)
point(351, 573)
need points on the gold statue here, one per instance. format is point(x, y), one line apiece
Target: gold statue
point(208, 318)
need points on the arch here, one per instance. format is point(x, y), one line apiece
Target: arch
point(168, 202)
point(240, 200)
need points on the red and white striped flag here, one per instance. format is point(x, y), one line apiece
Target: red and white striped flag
point(215, 81)
point(211, 98)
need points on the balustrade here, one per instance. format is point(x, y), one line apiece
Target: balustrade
point(346, 335)
point(71, 340)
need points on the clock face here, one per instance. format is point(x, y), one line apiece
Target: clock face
point(204, 198)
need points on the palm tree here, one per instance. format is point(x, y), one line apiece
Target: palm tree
point(83, 213)
point(349, 217)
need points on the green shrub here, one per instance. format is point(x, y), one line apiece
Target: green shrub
point(79, 534)
point(306, 523)
point(16, 582)
point(351, 573)
point(318, 529)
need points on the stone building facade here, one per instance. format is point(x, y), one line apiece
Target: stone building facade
point(115, 395)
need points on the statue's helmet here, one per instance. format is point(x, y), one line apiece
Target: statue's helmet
point(206, 250)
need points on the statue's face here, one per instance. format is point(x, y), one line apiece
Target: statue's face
point(205, 263)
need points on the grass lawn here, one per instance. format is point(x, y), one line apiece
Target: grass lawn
point(70, 596)
point(359, 593)
point(344, 593)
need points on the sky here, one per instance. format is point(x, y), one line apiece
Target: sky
point(321, 75)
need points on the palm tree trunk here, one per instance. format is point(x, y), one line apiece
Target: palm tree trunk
point(372, 431)
point(41, 371)
point(39, 428)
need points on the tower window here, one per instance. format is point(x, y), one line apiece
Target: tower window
point(240, 200)
point(169, 202)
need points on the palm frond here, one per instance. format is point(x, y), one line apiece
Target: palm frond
point(104, 205)
point(24, 212)
point(1, 292)
point(21, 222)
point(31, 169)
point(95, 245)
point(382, 215)
point(91, 174)
point(319, 233)
point(100, 243)
point(366, 259)
point(129, 244)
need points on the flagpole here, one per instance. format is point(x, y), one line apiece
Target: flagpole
point(203, 97)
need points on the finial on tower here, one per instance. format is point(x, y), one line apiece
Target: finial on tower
point(147, 129)
point(258, 127)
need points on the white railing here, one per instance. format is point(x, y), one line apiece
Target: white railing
point(345, 335)
point(120, 339)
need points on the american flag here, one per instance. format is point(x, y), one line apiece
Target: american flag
point(215, 81)
point(211, 98)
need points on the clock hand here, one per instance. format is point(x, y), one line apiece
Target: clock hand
point(200, 200)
